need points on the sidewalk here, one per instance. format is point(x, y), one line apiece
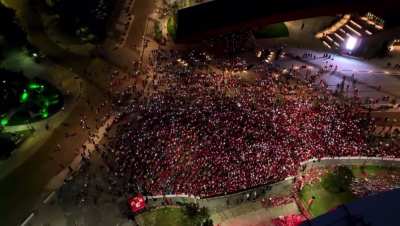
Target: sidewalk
point(56, 210)
point(57, 181)
point(258, 216)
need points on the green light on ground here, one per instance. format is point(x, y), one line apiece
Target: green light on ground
point(34, 86)
point(4, 121)
point(24, 97)
point(54, 98)
point(44, 113)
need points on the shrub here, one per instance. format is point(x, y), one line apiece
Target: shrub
point(208, 222)
point(192, 209)
point(338, 180)
point(273, 31)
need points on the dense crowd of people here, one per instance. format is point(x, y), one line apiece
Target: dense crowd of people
point(211, 133)
point(371, 184)
point(291, 220)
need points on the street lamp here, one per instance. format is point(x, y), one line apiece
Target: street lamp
point(351, 43)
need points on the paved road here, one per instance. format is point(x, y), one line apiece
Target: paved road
point(141, 10)
point(132, 49)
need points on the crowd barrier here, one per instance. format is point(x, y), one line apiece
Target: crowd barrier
point(355, 160)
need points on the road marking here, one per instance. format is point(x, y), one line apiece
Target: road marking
point(28, 219)
point(49, 197)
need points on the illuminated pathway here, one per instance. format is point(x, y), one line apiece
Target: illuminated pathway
point(373, 81)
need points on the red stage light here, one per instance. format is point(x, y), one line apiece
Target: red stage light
point(137, 203)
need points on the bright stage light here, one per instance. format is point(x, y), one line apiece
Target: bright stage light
point(351, 43)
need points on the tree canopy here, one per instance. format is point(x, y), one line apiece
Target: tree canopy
point(86, 19)
point(9, 27)
point(338, 180)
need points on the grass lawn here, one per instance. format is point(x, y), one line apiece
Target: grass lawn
point(12, 3)
point(166, 217)
point(324, 200)
point(278, 30)
point(369, 170)
point(171, 27)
